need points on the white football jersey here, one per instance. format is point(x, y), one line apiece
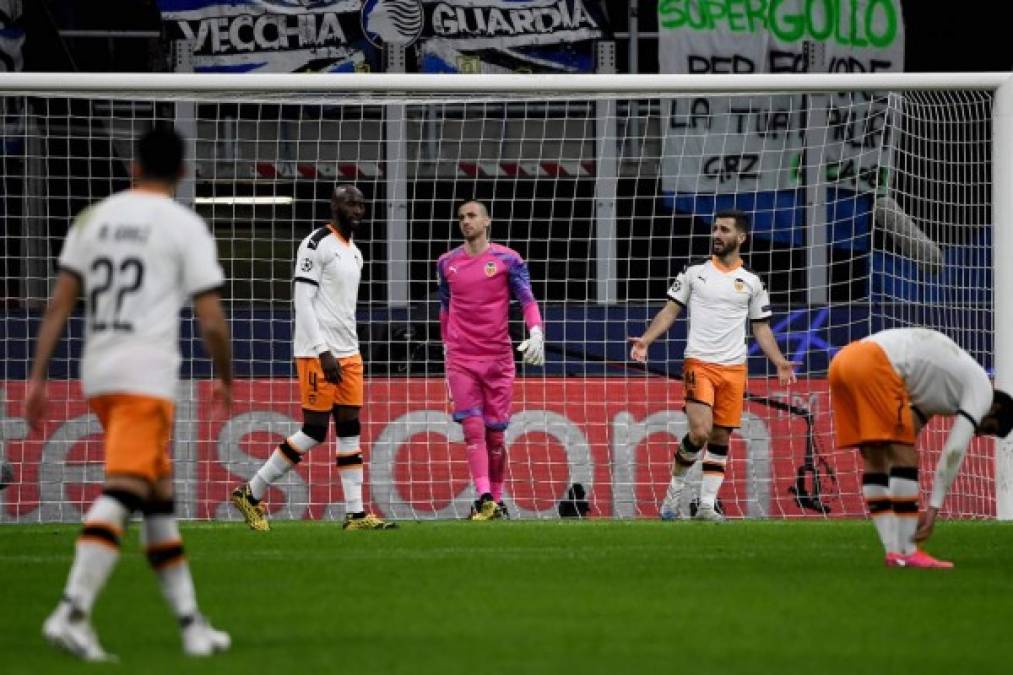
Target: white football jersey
point(941, 378)
point(719, 301)
point(334, 267)
point(140, 257)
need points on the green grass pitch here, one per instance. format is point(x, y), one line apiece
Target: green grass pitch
point(537, 597)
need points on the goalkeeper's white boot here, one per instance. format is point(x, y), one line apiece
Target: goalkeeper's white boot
point(708, 513)
point(74, 635)
point(201, 639)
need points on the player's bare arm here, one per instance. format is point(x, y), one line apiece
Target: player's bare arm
point(662, 321)
point(65, 295)
point(765, 338)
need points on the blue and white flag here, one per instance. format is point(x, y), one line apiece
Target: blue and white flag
point(511, 36)
point(271, 36)
point(12, 36)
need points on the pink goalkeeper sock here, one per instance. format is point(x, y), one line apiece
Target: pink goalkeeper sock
point(478, 456)
point(497, 462)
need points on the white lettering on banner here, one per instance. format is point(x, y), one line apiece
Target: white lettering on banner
point(756, 143)
point(11, 429)
point(383, 457)
point(758, 465)
point(410, 475)
point(230, 454)
point(236, 38)
point(628, 434)
point(483, 19)
point(55, 473)
point(184, 450)
point(569, 435)
point(383, 454)
point(263, 32)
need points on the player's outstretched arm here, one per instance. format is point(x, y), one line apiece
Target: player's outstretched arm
point(68, 288)
point(947, 469)
point(662, 321)
point(768, 343)
point(215, 332)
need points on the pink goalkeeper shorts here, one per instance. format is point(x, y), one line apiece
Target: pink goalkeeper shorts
point(482, 388)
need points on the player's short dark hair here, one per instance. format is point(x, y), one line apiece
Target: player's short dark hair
point(345, 192)
point(160, 154)
point(1003, 405)
point(485, 209)
point(740, 217)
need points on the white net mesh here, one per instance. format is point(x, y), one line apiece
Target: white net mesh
point(897, 186)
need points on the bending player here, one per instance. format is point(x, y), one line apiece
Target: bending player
point(883, 389)
point(476, 282)
point(137, 257)
point(721, 294)
point(326, 289)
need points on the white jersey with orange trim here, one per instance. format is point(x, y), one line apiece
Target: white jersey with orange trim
point(332, 267)
point(140, 257)
point(720, 300)
point(941, 378)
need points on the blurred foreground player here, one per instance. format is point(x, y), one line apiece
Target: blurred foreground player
point(137, 257)
point(883, 390)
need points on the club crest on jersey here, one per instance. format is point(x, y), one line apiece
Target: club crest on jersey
point(740, 285)
point(306, 265)
point(490, 269)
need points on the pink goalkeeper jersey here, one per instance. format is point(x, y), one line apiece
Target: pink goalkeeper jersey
point(475, 301)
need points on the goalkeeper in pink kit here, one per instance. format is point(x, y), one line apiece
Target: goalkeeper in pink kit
point(476, 282)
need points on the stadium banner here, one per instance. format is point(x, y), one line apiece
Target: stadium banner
point(614, 436)
point(753, 146)
point(12, 36)
point(271, 36)
point(12, 43)
point(511, 36)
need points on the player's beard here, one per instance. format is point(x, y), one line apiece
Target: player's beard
point(347, 226)
point(474, 234)
point(722, 249)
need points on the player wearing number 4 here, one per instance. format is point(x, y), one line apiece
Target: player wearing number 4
point(476, 281)
point(883, 389)
point(721, 295)
point(325, 291)
point(137, 257)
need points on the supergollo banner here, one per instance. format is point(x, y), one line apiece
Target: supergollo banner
point(287, 36)
point(511, 36)
point(728, 145)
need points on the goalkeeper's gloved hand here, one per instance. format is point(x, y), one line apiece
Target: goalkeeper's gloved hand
point(533, 348)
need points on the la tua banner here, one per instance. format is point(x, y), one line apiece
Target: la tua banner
point(614, 436)
point(754, 146)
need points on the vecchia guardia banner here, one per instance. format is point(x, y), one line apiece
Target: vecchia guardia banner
point(753, 146)
point(450, 36)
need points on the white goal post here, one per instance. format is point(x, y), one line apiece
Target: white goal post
point(913, 236)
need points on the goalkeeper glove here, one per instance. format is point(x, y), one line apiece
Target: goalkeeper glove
point(533, 348)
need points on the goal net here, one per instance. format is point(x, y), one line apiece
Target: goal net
point(869, 210)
